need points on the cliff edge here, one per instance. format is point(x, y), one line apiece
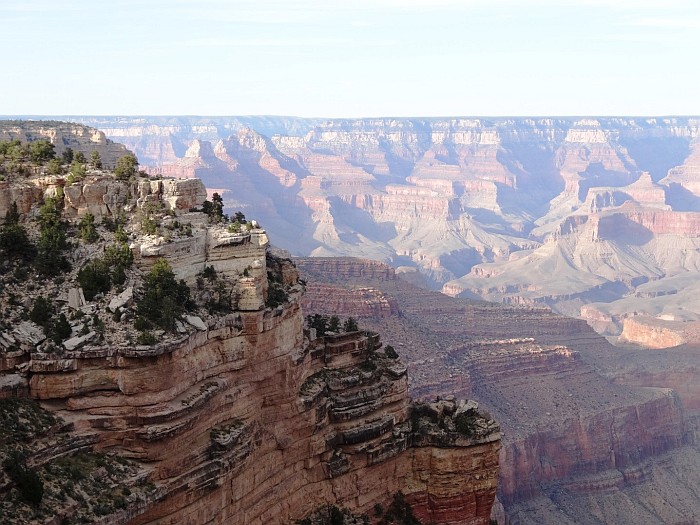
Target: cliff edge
point(177, 382)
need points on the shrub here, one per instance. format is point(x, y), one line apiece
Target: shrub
point(149, 226)
point(95, 278)
point(146, 338)
point(41, 311)
point(164, 299)
point(67, 156)
point(126, 167)
point(41, 151)
point(86, 227)
point(208, 273)
point(54, 167)
point(77, 172)
point(52, 238)
point(276, 296)
point(61, 329)
point(350, 325)
point(30, 486)
point(95, 160)
point(390, 352)
point(14, 241)
point(465, 424)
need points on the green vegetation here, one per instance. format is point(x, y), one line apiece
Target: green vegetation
point(95, 160)
point(126, 167)
point(14, 240)
point(41, 312)
point(87, 229)
point(31, 488)
point(276, 295)
point(95, 278)
point(67, 155)
point(22, 420)
point(324, 324)
point(350, 325)
point(98, 275)
point(52, 239)
point(76, 173)
point(399, 512)
point(465, 424)
point(54, 167)
point(41, 151)
point(164, 300)
point(215, 208)
point(390, 352)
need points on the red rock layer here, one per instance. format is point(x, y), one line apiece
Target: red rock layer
point(247, 422)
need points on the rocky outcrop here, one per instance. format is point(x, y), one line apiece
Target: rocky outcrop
point(233, 412)
point(65, 135)
point(248, 422)
point(358, 302)
point(577, 427)
point(652, 333)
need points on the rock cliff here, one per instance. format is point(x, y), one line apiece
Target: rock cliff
point(232, 412)
point(581, 440)
point(468, 203)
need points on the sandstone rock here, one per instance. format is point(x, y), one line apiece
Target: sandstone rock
point(76, 298)
point(196, 322)
point(28, 333)
point(121, 300)
point(75, 342)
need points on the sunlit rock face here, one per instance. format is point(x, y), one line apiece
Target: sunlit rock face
point(479, 207)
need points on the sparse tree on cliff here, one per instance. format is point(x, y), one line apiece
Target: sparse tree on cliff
point(14, 241)
point(164, 299)
point(95, 159)
point(41, 151)
point(126, 166)
point(334, 324)
point(350, 325)
point(67, 156)
point(52, 238)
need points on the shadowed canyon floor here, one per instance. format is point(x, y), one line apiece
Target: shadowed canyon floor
point(592, 433)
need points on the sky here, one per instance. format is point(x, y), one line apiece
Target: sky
point(351, 58)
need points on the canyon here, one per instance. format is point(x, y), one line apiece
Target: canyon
point(592, 218)
point(592, 433)
point(239, 414)
point(488, 208)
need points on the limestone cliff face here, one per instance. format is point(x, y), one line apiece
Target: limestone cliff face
point(580, 437)
point(65, 135)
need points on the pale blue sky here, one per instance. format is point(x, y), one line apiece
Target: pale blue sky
point(350, 59)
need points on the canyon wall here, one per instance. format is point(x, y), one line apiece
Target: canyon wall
point(236, 412)
point(591, 433)
point(487, 208)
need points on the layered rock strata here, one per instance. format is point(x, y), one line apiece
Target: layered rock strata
point(248, 422)
point(609, 205)
point(578, 429)
point(234, 413)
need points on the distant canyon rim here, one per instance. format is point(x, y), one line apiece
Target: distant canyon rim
point(596, 218)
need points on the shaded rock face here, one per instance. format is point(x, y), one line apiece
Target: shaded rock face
point(582, 442)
